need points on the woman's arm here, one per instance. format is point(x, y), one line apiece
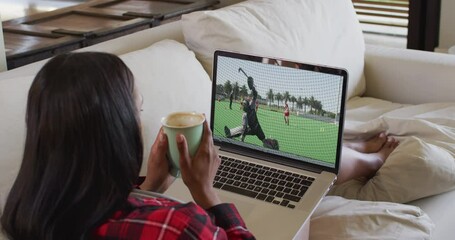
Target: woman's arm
point(228, 218)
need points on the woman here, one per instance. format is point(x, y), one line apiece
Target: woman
point(82, 157)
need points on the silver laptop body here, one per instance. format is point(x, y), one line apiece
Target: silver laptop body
point(275, 171)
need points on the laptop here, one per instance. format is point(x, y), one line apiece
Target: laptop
point(278, 126)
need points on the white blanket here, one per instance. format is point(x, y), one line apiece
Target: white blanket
point(424, 162)
point(341, 219)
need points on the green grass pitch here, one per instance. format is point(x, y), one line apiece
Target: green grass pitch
point(316, 139)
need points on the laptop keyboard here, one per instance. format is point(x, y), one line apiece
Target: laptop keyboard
point(261, 182)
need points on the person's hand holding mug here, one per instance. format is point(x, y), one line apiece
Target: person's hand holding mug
point(188, 124)
point(198, 172)
point(158, 178)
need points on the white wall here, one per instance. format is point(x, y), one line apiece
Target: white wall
point(447, 25)
point(2, 49)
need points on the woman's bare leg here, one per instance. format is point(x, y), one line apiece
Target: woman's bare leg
point(356, 164)
point(372, 145)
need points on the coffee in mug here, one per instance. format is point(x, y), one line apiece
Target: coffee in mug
point(189, 124)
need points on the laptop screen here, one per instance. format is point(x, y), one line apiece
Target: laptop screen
point(278, 107)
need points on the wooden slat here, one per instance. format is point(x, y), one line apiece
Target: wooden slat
point(384, 2)
point(196, 5)
point(382, 15)
point(148, 8)
point(380, 3)
point(384, 24)
point(374, 8)
point(393, 10)
point(19, 44)
point(106, 13)
point(42, 31)
point(77, 22)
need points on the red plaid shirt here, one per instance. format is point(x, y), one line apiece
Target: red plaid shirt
point(159, 218)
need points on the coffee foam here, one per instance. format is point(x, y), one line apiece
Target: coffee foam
point(183, 119)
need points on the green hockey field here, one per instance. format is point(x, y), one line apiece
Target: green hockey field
point(303, 136)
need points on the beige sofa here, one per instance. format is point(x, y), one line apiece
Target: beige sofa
point(408, 93)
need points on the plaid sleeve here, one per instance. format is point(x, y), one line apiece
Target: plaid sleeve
point(228, 218)
point(165, 219)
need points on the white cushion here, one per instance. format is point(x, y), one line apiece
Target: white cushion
point(338, 218)
point(322, 32)
point(170, 79)
point(409, 76)
point(441, 210)
point(13, 101)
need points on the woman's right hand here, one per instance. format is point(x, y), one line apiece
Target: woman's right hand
point(158, 178)
point(199, 172)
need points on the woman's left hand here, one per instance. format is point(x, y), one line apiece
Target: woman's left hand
point(158, 178)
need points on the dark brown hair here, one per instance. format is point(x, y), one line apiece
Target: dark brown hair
point(83, 148)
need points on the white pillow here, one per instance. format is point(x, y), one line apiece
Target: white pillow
point(416, 169)
point(338, 218)
point(422, 165)
point(13, 102)
point(170, 78)
point(322, 32)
